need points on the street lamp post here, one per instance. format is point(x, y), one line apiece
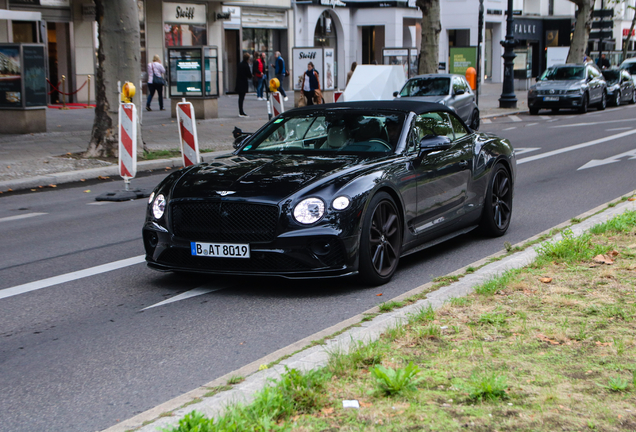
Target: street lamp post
point(480, 29)
point(508, 98)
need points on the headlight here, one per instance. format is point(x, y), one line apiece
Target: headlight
point(151, 197)
point(309, 211)
point(341, 203)
point(576, 91)
point(159, 206)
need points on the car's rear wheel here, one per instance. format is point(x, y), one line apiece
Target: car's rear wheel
point(603, 103)
point(497, 212)
point(633, 99)
point(381, 240)
point(584, 104)
point(617, 98)
point(474, 121)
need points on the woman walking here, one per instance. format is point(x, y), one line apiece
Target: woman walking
point(155, 82)
point(244, 74)
point(311, 85)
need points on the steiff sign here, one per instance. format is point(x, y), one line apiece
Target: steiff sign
point(300, 58)
point(184, 13)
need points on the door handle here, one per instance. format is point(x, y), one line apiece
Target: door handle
point(463, 164)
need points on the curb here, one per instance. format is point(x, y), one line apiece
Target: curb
point(93, 173)
point(304, 359)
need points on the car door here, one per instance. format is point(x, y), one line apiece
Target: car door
point(461, 98)
point(626, 86)
point(442, 176)
point(595, 84)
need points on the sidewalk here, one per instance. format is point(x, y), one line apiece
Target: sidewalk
point(31, 160)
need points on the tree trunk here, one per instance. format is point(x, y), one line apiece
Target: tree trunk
point(582, 28)
point(629, 35)
point(431, 28)
point(118, 58)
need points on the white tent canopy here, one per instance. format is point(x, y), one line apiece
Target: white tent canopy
point(374, 82)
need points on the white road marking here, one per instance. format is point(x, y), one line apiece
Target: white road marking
point(552, 120)
point(186, 295)
point(612, 159)
point(522, 150)
point(486, 121)
point(617, 129)
point(510, 128)
point(531, 124)
point(575, 147)
point(21, 216)
point(56, 280)
point(514, 118)
point(593, 123)
point(100, 203)
point(545, 117)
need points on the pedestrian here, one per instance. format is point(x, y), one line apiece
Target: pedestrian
point(311, 85)
point(156, 82)
point(243, 75)
point(261, 76)
point(350, 73)
point(603, 62)
point(280, 72)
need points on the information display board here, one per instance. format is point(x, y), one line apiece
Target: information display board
point(191, 69)
point(461, 59)
point(22, 76)
point(300, 58)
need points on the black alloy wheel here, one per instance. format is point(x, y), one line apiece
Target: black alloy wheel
point(603, 103)
point(584, 104)
point(633, 99)
point(474, 121)
point(381, 240)
point(617, 98)
point(498, 206)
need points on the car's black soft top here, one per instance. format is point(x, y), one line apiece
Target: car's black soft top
point(397, 105)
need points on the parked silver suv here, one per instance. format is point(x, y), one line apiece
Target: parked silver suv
point(570, 86)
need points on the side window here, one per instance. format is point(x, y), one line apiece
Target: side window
point(467, 88)
point(458, 127)
point(434, 123)
point(456, 85)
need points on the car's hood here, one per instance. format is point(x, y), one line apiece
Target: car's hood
point(270, 178)
point(558, 85)
point(435, 99)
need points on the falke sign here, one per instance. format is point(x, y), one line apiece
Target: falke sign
point(184, 13)
point(528, 29)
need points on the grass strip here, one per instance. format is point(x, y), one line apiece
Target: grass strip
point(547, 347)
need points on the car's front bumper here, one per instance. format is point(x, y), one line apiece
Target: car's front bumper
point(319, 253)
point(564, 101)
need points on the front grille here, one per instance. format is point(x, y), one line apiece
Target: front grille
point(551, 92)
point(224, 221)
point(269, 262)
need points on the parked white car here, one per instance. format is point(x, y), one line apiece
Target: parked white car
point(630, 66)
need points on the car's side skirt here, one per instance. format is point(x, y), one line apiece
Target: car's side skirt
point(438, 240)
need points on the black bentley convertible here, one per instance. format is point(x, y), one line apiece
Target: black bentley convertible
point(333, 190)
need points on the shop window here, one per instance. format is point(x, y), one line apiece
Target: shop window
point(185, 35)
point(459, 38)
point(24, 32)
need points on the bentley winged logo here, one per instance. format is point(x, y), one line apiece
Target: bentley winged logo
point(224, 193)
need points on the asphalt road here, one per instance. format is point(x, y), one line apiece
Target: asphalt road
point(83, 354)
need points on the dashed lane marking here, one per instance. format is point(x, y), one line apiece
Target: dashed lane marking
point(510, 128)
point(593, 123)
point(100, 203)
point(486, 121)
point(575, 147)
point(56, 280)
point(186, 295)
point(515, 118)
point(617, 129)
point(531, 124)
point(21, 216)
point(545, 117)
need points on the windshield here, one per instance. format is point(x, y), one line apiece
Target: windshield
point(630, 67)
point(611, 76)
point(564, 73)
point(429, 86)
point(325, 132)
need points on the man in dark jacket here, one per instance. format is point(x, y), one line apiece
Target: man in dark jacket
point(244, 74)
point(280, 73)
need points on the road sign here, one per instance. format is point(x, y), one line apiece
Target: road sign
point(601, 35)
point(603, 24)
point(188, 134)
point(602, 13)
point(277, 103)
point(127, 140)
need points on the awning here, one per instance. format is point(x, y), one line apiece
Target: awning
point(20, 15)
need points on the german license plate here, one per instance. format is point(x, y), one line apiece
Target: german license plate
point(220, 250)
point(551, 99)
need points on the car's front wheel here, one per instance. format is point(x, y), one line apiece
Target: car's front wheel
point(617, 98)
point(633, 99)
point(497, 212)
point(584, 104)
point(603, 103)
point(381, 240)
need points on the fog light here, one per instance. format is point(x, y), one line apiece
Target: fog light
point(321, 248)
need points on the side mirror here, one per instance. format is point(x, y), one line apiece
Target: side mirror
point(237, 132)
point(434, 143)
point(395, 94)
point(459, 92)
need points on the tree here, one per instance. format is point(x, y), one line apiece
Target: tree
point(629, 35)
point(582, 28)
point(118, 58)
point(431, 28)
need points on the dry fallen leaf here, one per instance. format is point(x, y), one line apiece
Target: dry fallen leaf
point(366, 404)
point(603, 259)
point(82, 179)
point(613, 253)
point(603, 344)
point(87, 191)
point(8, 166)
point(68, 154)
point(9, 190)
point(327, 411)
point(546, 339)
point(631, 199)
point(545, 280)
point(103, 177)
point(378, 295)
point(52, 186)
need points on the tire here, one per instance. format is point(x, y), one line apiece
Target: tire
point(584, 104)
point(617, 98)
point(555, 110)
point(380, 241)
point(474, 120)
point(603, 103)
point(497, 212)
point(633, 99)
point(534, 111)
